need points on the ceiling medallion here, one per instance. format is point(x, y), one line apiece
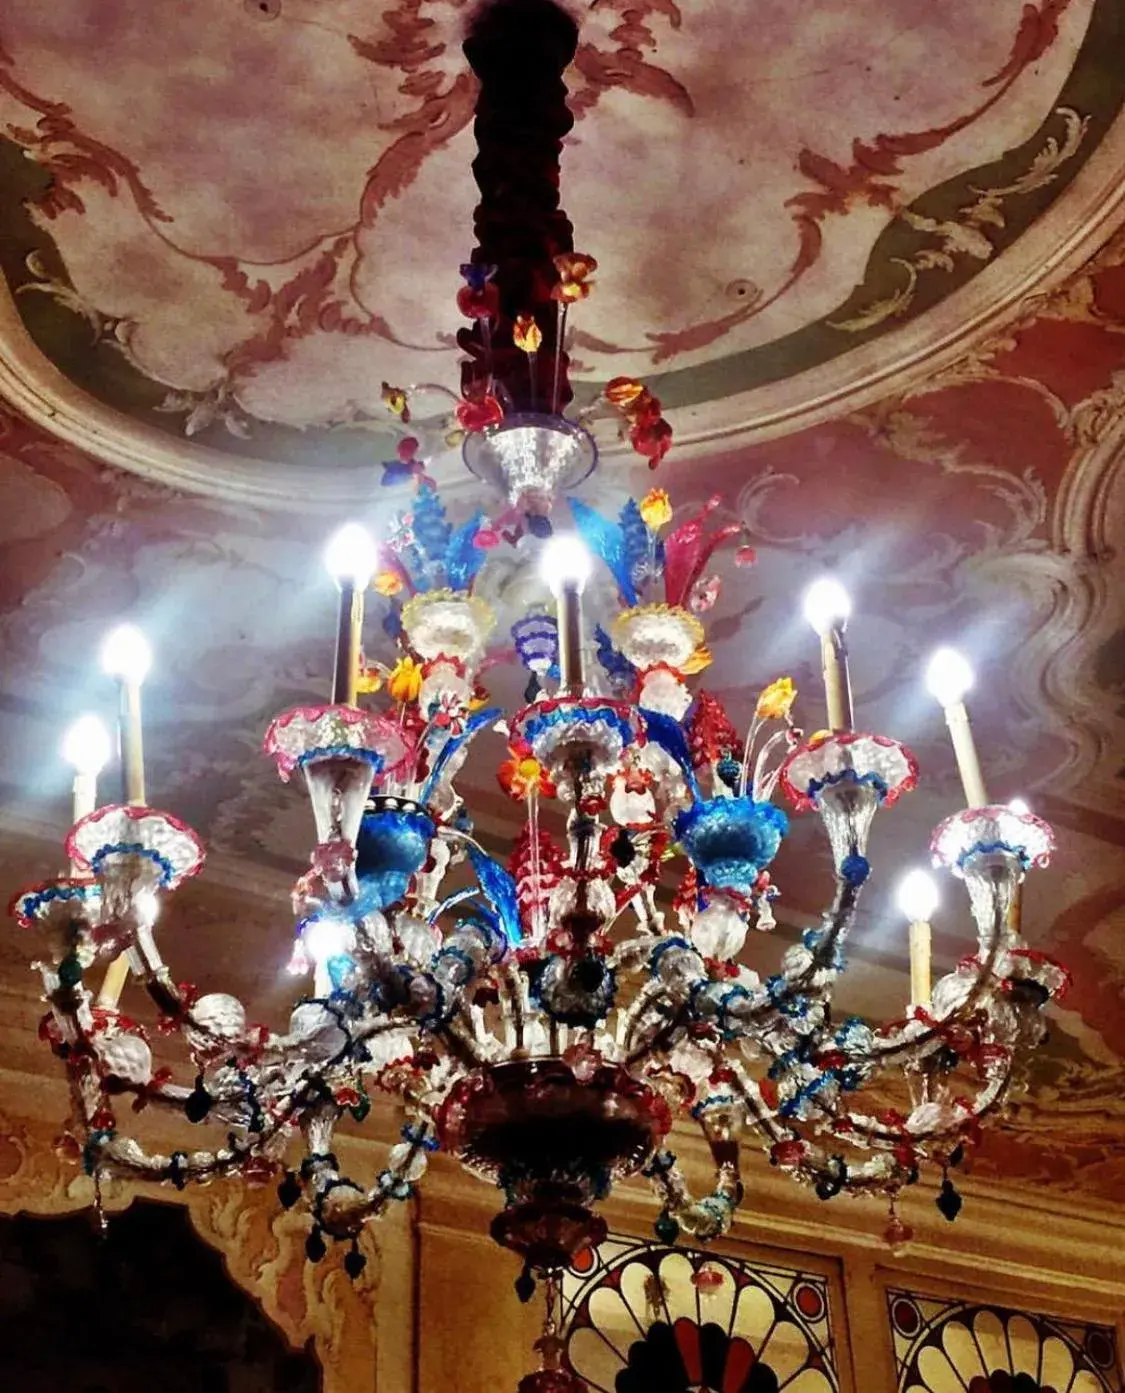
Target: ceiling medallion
point(546, 1021)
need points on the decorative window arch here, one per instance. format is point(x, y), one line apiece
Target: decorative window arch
point(944, 1346)
point(641, 1318)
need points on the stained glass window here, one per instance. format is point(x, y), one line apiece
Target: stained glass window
point(944, 1346)
point(647, 1319)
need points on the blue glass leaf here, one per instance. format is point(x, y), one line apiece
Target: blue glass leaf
point(431, 526)
point(636, 540)
point(668, 733)
point(619, 669)
point(468, 892)
point(462, 559)
point(476, 722)
point(500, 889)
point(605, 539)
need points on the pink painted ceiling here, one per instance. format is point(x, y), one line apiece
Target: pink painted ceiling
point(972, 491)
point(235, 222)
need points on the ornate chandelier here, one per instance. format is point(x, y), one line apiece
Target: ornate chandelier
point(546, 1021)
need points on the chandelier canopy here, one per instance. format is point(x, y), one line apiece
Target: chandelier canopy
point(548, 1020)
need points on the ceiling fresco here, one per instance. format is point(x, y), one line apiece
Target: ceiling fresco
point(230, 223)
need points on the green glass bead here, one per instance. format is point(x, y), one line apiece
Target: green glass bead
point(70, 970)
point(666, 1228)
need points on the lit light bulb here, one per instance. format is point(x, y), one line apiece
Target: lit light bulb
point(86, 746)
point(918, 897)
point(566, 560)
point(352, 556)
point(1019, 807)
point(949, 676)
point(329, 938)
point(146, 906)
point(827, 605)
point(126, 654)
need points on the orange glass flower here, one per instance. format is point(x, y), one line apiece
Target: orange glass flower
point(653, 440)
point(622, 392)
point(526, 334)
point(405, 681)
point(387, 583)
point(776, 701)
point(521, 775)
point(394, 398)
point(479, 414)
point(575, 270)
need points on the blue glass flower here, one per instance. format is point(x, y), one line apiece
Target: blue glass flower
point(536, 637)
point(476, 277)
point(731, 840)
point(393, 844)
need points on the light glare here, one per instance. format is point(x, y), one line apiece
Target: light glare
point(918, 897)
point(126, 654)
point(351, 555)
point(1019, 807)
point(326, 939)
point(566, 560)
point(949, 676)
point(827, 605)
point(86, 746)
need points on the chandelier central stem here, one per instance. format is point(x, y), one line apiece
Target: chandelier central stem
point(519, 50)
point(571, 663)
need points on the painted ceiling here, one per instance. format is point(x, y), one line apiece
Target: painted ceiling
point(233, 221)
point(865, 251)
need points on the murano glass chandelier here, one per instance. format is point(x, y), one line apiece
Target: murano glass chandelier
point(549, 1020)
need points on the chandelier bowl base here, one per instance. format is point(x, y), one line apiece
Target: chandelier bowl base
point(555, 1142)
point(531, 459)
point(550, 1230)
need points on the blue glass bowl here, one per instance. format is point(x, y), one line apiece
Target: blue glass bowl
point(731, 840)
point(392, 845)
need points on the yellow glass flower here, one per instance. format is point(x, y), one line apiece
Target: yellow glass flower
point(700, 659)
point(370, 680)
point(387, 583)
point(776, 701)
point(526, 334)
point(394, 398)
point(656, 508)
point(405, 681)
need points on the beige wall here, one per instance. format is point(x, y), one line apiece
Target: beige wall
point(435, 1310)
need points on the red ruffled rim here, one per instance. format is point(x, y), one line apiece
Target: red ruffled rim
point(62, 882)
point(1034, 957)
point(349, 716)
point(996, 810)
point(137, 813)
point(801, 799)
